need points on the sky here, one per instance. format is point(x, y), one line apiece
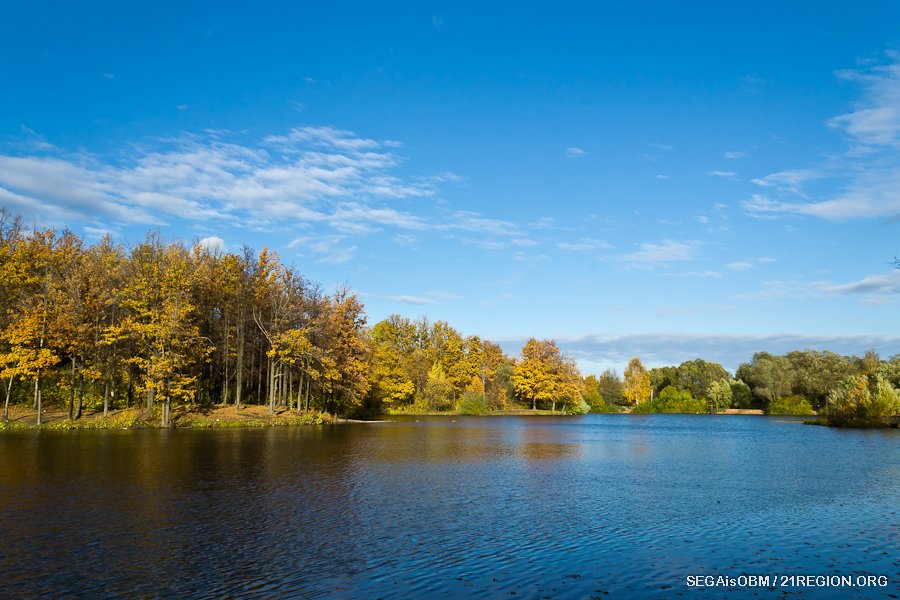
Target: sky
point(666, 180)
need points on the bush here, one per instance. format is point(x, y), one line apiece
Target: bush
point(791, 405)
point(579, 408)
point(858, 402)
point(672, 400)
point(473, 403)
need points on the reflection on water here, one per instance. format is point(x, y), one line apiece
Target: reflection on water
point(555, 507)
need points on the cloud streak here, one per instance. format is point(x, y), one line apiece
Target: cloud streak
point(311, 174)
point(867, 174)
point(729, 350)
point(652, 254)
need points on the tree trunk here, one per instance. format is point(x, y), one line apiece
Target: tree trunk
point(6, 404)
point(239, 367)
point(106, 396)
point(80, 395)
point(290, 390)
point(166, 407)
point(308, 381)
point(259, 396)
point(72, 393)
point(151, 390)
point(225, 387)
point(37, 395)
point(271, 364)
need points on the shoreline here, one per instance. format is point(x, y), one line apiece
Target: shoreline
point(210, 417)
point(256, 416)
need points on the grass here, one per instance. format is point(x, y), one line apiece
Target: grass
point(218, 416)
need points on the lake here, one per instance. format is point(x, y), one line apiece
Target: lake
point(571, 507)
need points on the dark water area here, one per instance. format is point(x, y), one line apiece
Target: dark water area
point(597, 506)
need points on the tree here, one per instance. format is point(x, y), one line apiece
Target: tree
point(160, 320)
point(719, 394)
point(346, 351)
point(637, 382)
point(439, 391)
point(768, 376)
point(696, 376)
point(543, 375)
point(610, 387)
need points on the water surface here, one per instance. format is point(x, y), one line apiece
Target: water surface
point(602, 505)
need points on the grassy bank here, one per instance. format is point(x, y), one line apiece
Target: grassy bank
point(189, 418)
point(858, 423)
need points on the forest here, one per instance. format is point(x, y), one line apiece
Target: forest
point(168, 326)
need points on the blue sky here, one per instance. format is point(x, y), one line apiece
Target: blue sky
point(670, 180)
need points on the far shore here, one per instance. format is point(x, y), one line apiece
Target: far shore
point(229, 416)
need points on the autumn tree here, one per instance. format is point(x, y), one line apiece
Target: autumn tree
point(543, 375)
point(637, 382)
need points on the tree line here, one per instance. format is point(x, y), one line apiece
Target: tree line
point(161, 325)
point(846, 389)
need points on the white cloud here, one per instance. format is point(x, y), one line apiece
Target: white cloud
point(663, 252)
point(328, 248)
point(212, 244)
point(867, 175)
point(722, 173)
point(584, 245)
point(411, 299)
point(740, 266)
point(873, 284)
point(312, 174)
point(733, 155)
point(658, 176)
point(574, 152)
point(876, 122)
point(664, 349)
point(700, 274)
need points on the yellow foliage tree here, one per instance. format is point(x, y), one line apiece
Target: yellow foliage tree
point(637, 382)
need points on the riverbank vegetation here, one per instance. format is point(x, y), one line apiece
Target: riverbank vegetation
point(168, 331)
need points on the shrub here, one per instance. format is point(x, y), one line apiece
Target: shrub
point(473, 403)
point(672, 400)
point(578, 408)
point(791, 405)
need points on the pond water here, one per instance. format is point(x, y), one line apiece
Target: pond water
point(595, 506)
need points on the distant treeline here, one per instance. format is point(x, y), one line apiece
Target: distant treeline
point(166, 324)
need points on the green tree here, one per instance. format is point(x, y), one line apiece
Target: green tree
point(611, 389)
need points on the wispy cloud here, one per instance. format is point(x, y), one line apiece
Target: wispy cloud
point(321, 176)
point(873, 284)
point(583, 245)
point(867, 175)
point(729, 350)
point(740, 266)
point(876, 122)
point(650, 254)
point(700, 274)
point(733, 155)
point(330, 249)
point(722, 173)
point(575, 152)
point(419, 300)
point(594, 353)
